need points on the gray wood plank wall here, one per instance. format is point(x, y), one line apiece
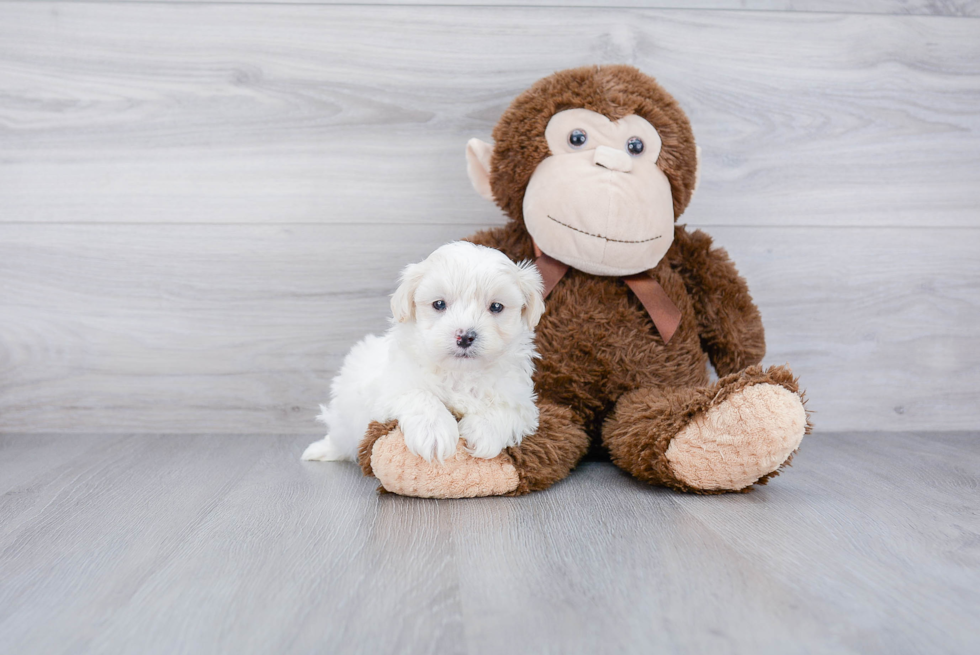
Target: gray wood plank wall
point(899, 7)
point(203, 205)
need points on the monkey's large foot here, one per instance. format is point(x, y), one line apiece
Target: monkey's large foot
point(461, 476)
point(726, 437)
point(541, 460)
point(739, 441)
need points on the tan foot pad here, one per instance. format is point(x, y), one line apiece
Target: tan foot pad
point(749, 435)
point(460, 476)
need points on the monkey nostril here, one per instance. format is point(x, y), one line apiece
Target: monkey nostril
point(465, 340)
point(612, 159)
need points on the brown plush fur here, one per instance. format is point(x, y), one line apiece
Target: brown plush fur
point(615, 91)
point(605, 372)
point(548, 455)
point(602, 359)
point(374, 432)
point(597, 344)
point(640, 429)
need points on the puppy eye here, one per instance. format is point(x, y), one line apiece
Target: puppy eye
point(634, 145)
point(577, 138)
point(439, 305)
point(496, 307)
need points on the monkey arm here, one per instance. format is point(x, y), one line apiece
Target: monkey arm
point(729, 323)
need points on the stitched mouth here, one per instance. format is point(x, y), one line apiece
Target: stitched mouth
point(599, 236)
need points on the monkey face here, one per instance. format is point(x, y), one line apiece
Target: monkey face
point(599, 202)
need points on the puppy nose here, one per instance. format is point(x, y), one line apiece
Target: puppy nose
point(614, 160)
point(465, 339)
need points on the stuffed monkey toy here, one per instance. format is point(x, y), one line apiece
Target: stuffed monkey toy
point(593, 166)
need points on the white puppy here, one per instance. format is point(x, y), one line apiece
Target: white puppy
point(460, 346)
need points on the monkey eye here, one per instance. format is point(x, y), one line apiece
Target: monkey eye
point(496, 307)
point(634, 145)
point(439, 305)
point(577, 138)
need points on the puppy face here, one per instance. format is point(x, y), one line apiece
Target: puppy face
point(468, 303)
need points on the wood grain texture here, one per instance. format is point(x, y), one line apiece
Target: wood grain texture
point(202, 206)
point(897, 7)
point(255, 113)
point(226, 328)
point(231, 544)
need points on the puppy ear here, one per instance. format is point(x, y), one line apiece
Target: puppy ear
point(403, 300)
point(532, 288)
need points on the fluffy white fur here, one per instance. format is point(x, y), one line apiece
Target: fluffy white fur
point(420, 373)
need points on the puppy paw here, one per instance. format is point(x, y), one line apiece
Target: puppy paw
point(430, 436)
point(324, 450)
point(485, 438)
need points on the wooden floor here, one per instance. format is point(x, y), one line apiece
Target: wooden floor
point(230, 544)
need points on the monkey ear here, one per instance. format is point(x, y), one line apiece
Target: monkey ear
point(697, 168)
point(478, 155)
point(532, 288)
point(403, 300)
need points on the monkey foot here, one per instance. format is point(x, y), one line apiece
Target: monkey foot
point(739, 441)
point(460, 476)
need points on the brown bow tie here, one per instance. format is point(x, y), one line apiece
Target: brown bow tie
point(655, 300)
